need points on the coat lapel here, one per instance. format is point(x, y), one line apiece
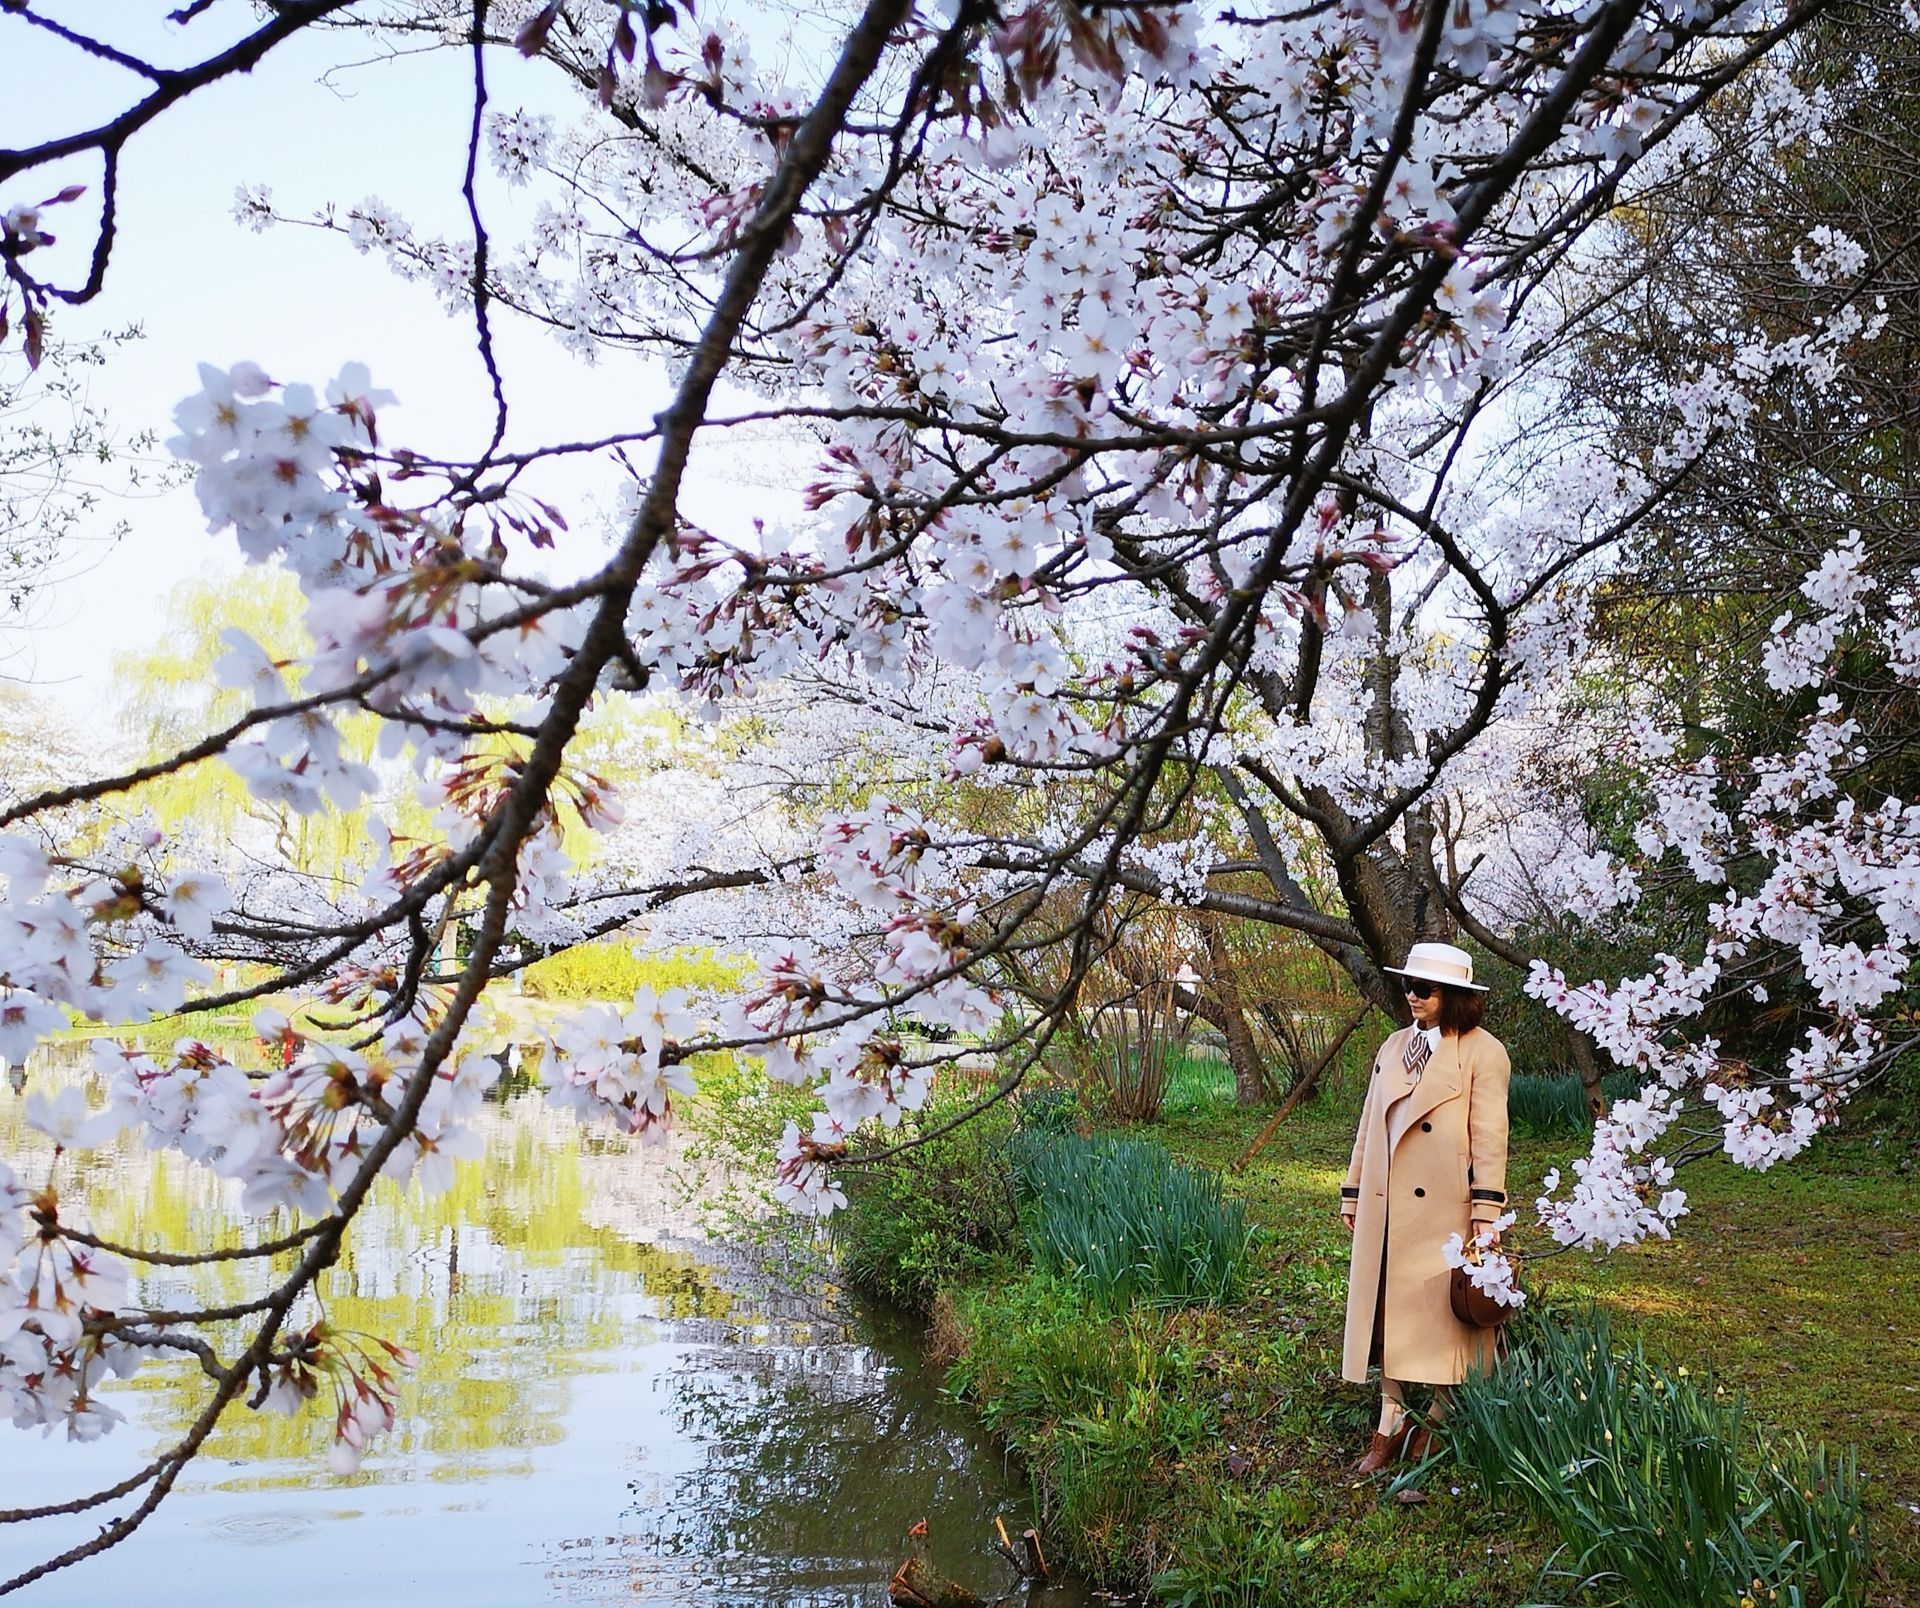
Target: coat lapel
point(1440, 1081)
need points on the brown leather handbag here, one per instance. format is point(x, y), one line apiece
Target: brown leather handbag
point(1472, 1305)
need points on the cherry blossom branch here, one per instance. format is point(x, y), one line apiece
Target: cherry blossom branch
point(526, 800)
point(92, 46)
point(227, 1253)
point(82, 1504)
point(172, 85)
point(477, 41)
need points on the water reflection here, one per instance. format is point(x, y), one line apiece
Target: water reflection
point(607, 1408)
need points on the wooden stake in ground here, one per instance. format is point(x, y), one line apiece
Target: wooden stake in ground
point(1299, 1091)
point(1004, 1546)
point(1036, 1564)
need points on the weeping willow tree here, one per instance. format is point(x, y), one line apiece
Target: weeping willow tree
point(169, 691)
point(169, 695)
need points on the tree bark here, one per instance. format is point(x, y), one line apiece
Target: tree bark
point(1250, 1085)
point(1587, 1064)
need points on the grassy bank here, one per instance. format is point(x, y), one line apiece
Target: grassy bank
point(1208, 1447)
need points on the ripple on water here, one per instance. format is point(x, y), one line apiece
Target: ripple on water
point(261, 1529)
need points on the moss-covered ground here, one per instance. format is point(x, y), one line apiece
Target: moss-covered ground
point(1211, 1448)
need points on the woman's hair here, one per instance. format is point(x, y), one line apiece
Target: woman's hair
point(1460, 1009)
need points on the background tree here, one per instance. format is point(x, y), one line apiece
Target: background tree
point(1735, 254)
point(67, 478)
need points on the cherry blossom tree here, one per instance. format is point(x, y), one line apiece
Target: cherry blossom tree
point(1184, 394)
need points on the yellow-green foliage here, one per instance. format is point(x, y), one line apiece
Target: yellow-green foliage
point(614, 971)
point(170, 698)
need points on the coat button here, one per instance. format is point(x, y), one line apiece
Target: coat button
point(1420, 1192)
point(1426, 1127)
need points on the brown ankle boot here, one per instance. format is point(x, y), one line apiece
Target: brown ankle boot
point(1381, 1451)
point(1420, 1443)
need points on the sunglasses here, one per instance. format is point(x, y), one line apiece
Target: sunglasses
point(1419, 990)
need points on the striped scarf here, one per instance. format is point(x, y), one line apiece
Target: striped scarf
point(1417, 1056)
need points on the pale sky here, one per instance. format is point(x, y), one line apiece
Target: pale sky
point(299, 303)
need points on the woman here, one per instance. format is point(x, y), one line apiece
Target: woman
point(1430, 1160)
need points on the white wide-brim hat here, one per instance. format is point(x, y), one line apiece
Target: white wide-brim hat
point(1439, 963)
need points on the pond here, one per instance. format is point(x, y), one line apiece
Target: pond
point(608, 1407)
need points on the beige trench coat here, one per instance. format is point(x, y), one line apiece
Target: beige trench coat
point(1447, 1172)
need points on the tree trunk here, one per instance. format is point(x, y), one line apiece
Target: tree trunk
point(1588, 1065)
point(1243, 1054)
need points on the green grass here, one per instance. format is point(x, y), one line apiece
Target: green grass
point(1197, 1081)
point(1799, 1286)
point(1103, 1409)
point(233, 1025)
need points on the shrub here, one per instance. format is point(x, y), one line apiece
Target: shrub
point(1133, 1024)
point(1132, 1076)
point(1128, 1222)
point(1641, 1469)
point(1550, 1104)
point(613, 971)
point(1049, 1108)
point(936, 1217)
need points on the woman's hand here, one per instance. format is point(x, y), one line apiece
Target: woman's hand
point(1346, 1217)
